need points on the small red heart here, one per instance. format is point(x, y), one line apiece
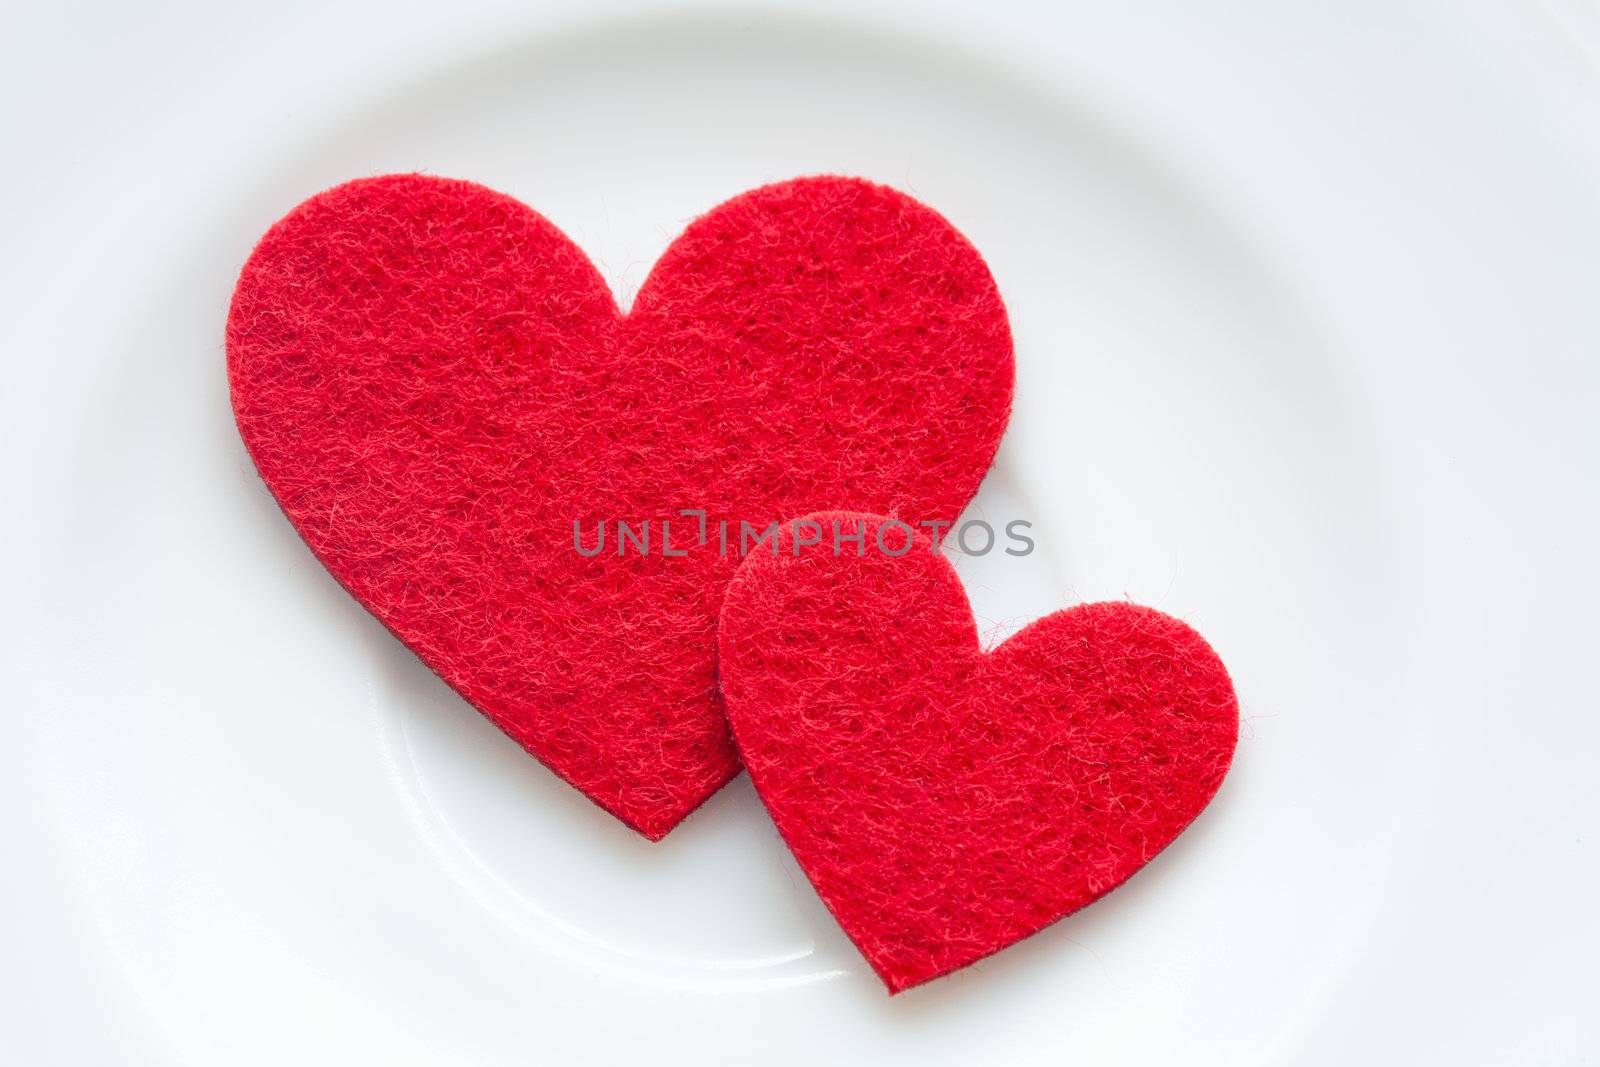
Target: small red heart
point(436, 384)
point(946, 801)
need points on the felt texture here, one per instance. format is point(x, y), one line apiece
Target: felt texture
point(436, 384)
point(946, 801)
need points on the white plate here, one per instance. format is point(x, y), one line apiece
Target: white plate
point(1305, 309)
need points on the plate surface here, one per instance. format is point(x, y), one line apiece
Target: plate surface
point(1305, 321)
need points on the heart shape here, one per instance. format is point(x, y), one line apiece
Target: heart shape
point(945, 801)
point(440, 391)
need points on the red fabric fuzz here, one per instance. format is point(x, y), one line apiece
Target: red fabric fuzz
point(947, 802)
point(435, 384)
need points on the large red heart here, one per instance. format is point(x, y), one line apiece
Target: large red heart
point(437, 385)
point(947, 802)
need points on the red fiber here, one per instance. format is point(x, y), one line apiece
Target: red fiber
point(947, 802)
point(435, 383)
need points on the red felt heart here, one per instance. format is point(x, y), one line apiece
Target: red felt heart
point(946, 801)
point(436, 385)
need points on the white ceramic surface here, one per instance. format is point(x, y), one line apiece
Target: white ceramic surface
point(1307, 308)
